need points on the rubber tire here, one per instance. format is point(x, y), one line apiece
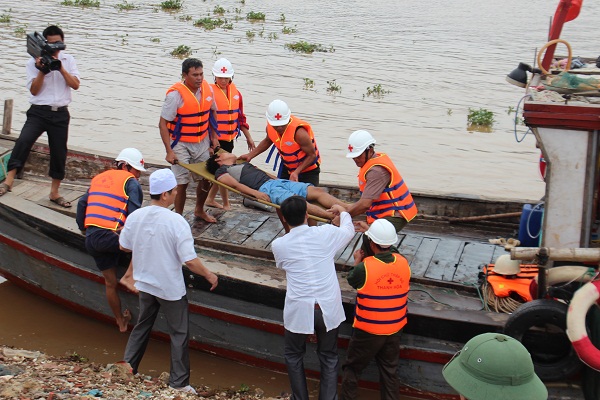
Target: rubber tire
point(539, 312)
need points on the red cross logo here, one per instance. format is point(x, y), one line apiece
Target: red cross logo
point(223, 70)
point(350, 148)
point(142, 162)
point(277, 116)
point(390, 281)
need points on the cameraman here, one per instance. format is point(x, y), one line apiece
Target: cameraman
point(50, 96)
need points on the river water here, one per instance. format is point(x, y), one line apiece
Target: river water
point(437, 59)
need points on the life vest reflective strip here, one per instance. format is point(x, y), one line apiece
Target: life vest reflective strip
point(107, 200)
point(228, 109)
point(583, 299)
point(381, 302)
point(395, 199)
point(290, 151)
point(518, 284)
point(192, 120)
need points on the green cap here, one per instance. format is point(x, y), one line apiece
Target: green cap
point(494, 366)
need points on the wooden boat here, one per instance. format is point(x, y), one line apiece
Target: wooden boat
point(42, 250)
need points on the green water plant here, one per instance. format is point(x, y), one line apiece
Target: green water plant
point(219, 10)
point(377, 91)
point(305, 47)
point(5, 18)
point(182, 51)
point(481, 117)
point(171, 5)
point(282, 17)
point(209, 23)
point(228, 26)
point(81, 3)
point(125, 6)
point(273, 36)
point(155, 40)
point(250, 35)
point(309, 84)
point(333, 87)
point(255, 16)
point(286, 30)
point(21, 30)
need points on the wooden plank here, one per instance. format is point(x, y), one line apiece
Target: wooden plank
point(445, 260)
point(423, 256)
point(21, 186)
point(224, 229)
point(473, 255)
point(261, 238)
point(409, 245)
point(344, 256)
point(7, 117)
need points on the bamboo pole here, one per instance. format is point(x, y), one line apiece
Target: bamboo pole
point(7, 120)
point(473, 218)
point(572, 254)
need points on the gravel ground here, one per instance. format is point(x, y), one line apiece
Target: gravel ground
point(33, 375)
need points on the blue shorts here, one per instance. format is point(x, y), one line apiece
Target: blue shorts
point(280, 189)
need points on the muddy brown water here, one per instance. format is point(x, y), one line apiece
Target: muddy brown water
point(436, 58)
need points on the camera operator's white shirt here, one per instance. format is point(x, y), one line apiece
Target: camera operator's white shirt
point(54, 91)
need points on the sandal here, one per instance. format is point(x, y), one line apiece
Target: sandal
point(61, 201)
point(4, 188)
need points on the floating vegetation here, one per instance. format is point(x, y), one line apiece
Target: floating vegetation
point(182, 51)
point(333, 87)
point(242, 2)
point(282, 17)
point(219, 10)
point(125, 6)
point(255, 16)
point(209, 23)
point(21, 30)
point(273, 36)
point(449, 112)
point(155, 40)
point(377, 91)
point(216, 52)
point(171, 5)
point(228, 26)
point(287, 30)
point(5, 18)
point(481, 117)
point(81, 3)
point(250, 35)
point(238, 10)
point(307, 48)
point(309, 84)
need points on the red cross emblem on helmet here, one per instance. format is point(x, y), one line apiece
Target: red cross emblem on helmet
point(277, 116)
point(350, 148)
point(224, 69)
point(142, 162)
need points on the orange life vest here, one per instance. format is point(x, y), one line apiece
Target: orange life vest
point(519, 284)
point(291, 153)
point(228, 109)
point(191, 122)
point(381, 302)
point(395, 199)
point(107, 200)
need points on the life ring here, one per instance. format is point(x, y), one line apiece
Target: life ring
point(540, 326)
point(583, 299)
point(565, 274)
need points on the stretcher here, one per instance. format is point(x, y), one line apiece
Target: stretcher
point(200, 169)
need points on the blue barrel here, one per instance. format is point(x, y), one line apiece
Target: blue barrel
point(530, 225)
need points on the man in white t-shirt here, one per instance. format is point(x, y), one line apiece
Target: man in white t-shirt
point(161, 241)
point(313, 301)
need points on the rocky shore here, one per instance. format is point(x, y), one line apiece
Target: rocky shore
point(33, 375)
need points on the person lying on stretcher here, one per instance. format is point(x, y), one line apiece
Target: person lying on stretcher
point(252, 181)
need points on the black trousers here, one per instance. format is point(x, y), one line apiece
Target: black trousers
point(306, 177)
point(56, 124)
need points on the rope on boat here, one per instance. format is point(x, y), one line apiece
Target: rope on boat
point(500, 304)
point(430, 295)
point(517, 120)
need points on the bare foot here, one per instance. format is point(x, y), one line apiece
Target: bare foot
point(226, 206)
point(205, 216)
point(128, 282)
point(213, 204)
point(124, 321)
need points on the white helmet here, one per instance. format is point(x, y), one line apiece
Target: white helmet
point(222, 69)
point(278, 113)
point(358, 142)
point(132, 157)
point(382, 232)
point(505, 266)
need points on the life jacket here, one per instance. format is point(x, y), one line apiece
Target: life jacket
point(291, 153)
point(505, 285)
point(107, 200)
point(191, 122)
point(382, 301)
point(228, 109)
point(395, 199)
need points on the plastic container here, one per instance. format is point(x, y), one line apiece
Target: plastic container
point(530, 226)
point(257, 205)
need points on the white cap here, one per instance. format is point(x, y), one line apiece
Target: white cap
point(162, 181)
point(383, 233)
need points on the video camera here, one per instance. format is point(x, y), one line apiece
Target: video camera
point(38, 46)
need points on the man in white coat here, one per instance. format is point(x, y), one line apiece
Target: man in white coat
point(313, 302)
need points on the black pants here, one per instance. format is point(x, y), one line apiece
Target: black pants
point(306, 177)
point(56, 124)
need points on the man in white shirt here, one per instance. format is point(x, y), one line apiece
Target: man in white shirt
point(313, 301)
point(50, 96)
point(161, 241)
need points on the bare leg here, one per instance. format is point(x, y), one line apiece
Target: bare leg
point(127, 279)
point(201, 195)
point(180, 198)
point(319, 212)
point(10, 177)
point(110, 280)
point(210, 200)
point(54, 189)
point(225, 197)
point(322, 197)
